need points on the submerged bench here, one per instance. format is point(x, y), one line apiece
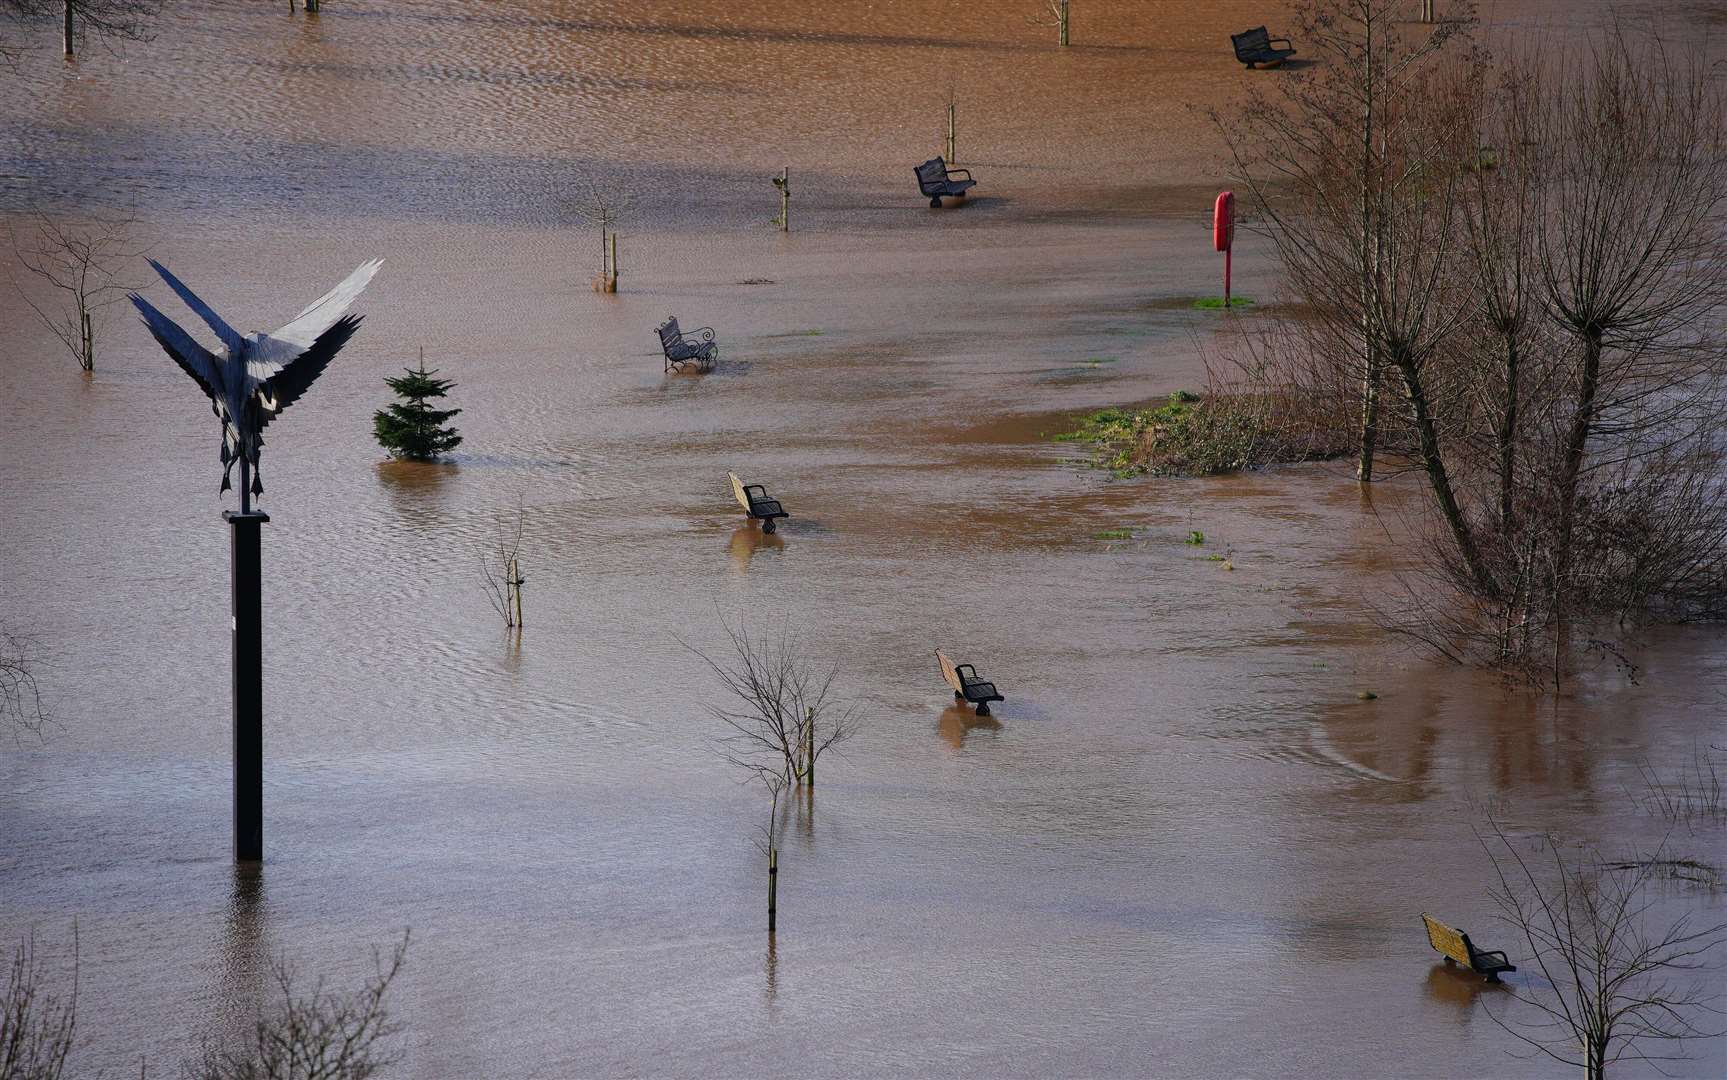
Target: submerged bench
point(935, 179)
point(696, 347)
point(966, 684)
point(1456, 947)
point(754, 499)
point(1255, 47)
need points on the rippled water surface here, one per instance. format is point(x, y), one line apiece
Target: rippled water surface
point(1182, 847)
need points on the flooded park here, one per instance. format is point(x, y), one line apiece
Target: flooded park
point(1196, 838)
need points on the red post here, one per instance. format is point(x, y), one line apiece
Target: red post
point(1223, 236)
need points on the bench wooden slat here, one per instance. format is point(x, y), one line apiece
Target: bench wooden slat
point(1456, 947)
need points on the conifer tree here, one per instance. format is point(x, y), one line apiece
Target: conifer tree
point(411, 428)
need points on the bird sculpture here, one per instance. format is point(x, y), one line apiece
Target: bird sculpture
point(254, 377)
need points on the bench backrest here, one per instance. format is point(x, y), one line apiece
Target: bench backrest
point(1252, 40)
point(933, 171)
point(738, 491)
point(1451, 942)
point(948, 672)
point(670, 334)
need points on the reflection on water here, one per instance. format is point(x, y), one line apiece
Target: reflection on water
point(748, 539)
point(959, 720)
point(244, 979)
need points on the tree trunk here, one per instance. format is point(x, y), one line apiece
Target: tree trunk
point(88, 359)
point(1064, 22)
point(1437, 476)
point(1576, 443)
point(67, 37)
point(1369, 418)
point(773, 885)
point(1369, 280)
point(1508, 437)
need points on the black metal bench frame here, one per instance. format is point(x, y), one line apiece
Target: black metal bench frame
point(762, 507)
point(978, 691)
point(1254, 47)
point(935, 188)
point(695, 347)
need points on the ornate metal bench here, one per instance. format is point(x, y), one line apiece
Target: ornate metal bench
point(935, 179)
point(696, 347)
point(756, 503)
point(1255, 47)
point(966, 684)
point(1458, 949)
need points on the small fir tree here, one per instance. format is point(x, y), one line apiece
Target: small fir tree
point(411, 428)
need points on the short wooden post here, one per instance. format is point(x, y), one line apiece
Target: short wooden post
point(1426, 10)
point(773, 885)
point(89, 357)
point(1064, 22)
point(786, 199)
point(951, 159)
point(311, 7)
point(68, 33)
point(516, 587)
point(612, 281)
point(810, 748)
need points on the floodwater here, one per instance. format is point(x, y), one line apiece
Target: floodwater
point(1183, 846)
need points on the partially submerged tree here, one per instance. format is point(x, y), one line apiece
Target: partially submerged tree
point(501, 569)
point(37, 1025)
point(81, 263)
point(1615, 983)
point(1054, 14)
point(783, 715)
point(111, 20)
point(412, 428)
point(315, 1033)
point(20, 700)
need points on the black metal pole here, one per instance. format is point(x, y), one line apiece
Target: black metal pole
point(248, 624)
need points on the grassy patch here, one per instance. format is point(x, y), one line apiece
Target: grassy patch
point(1113, 534)
point(1195, 537)
point(1215, 303)
point(1190, 435)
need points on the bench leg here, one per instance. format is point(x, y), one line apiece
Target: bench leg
point(983, 708)
point(1493, 976)
point(1450, 962)
point(767, 525)
point(958, 696)
point(936, 202)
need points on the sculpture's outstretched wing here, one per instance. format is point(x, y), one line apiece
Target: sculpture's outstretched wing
point(270, 353)
point(228, 335)
point(198, 361)
point(285, 387)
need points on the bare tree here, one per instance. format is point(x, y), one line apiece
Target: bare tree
point(1612, 986)
point(1329, 159)
point(110, 20)
point(1054, 14)
point(501, 569)
point(82, 264)
point(316, 1034)
point(20, 700)
point(783, 714)
point(36, 1025)
point(599, 206)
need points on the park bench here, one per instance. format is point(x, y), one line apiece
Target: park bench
point(696, 347)
point(966, 684)
point(935, 179)
point(1255, 47)
point(1458, 949)
point(754, 499)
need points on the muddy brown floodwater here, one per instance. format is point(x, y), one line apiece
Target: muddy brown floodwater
point(1182, 847)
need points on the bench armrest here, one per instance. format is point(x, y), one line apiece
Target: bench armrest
point(951, 173)
point(1491, 954)
point(708, 331)
point(1285, 40)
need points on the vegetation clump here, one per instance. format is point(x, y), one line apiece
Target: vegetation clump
point(1194, 435)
